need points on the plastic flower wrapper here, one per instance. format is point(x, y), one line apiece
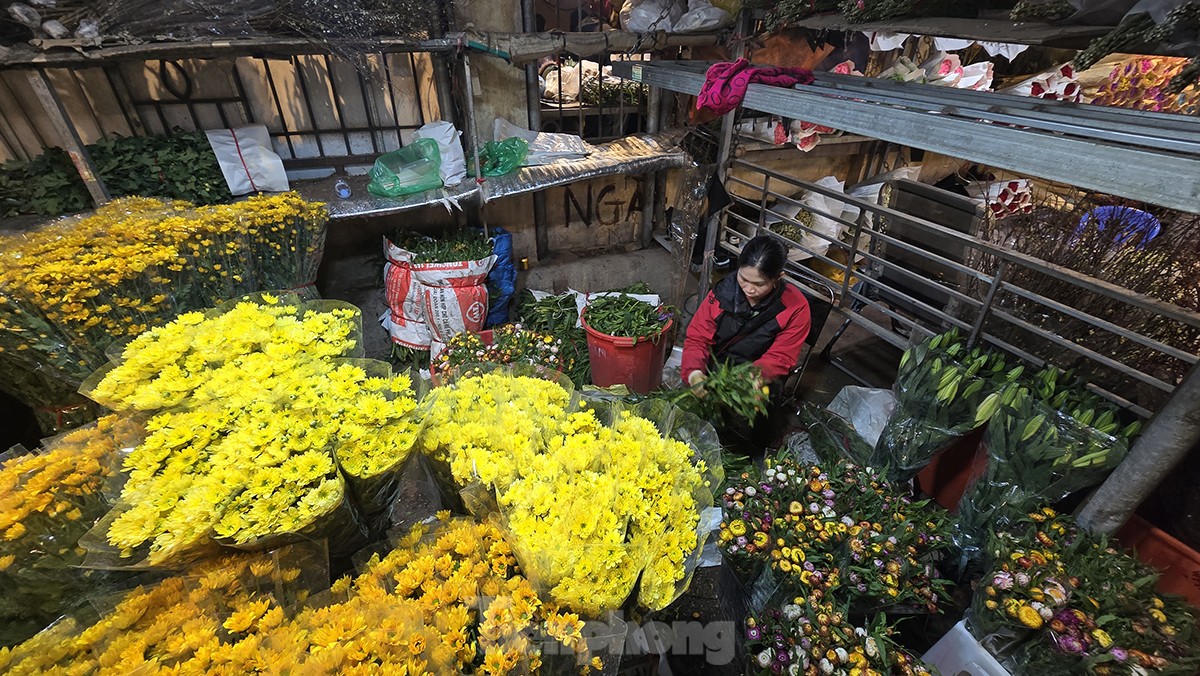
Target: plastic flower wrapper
point(806, 636)
point(447, 596)
point(510, 344)
point(1143, 84)
point(70, 289)
point(56, 405)
point(198, 617)
point(377, 438)
point(200, 354)
point(574, 551)
point(258, 413)
point(286, 236)
point(841, 533)
point(48, 500)
point(1114, 622)
point(507, 407)
point(671, 523)
point(1036, 456)
point(943, 390)
point(834, 439)
point(539, 449)
point(1025, 586)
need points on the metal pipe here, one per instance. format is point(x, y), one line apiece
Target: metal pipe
point(445, 90)
point(473, 131)
point(533, 103)
point(1167, 440)
point(851, 256)
point(650, 184)
point(1087, 282)
point(1160, 177)
point(987, 304)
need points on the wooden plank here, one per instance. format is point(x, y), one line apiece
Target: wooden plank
point(407, 108)
point(353, 106)
point(75, 104)
point(986, 30)
point(316, 96)
point(261, 106)
point(34, 127)
point(375, 89)
point(43, 89)
point(106, 102)
point(24, 142)
point(296, 120)
point(423, 71)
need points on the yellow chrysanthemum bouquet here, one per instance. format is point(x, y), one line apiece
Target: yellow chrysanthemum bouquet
point(444, 599)
point(263, 425)
point(48, 500)
point(592, 495)
point(70, 289)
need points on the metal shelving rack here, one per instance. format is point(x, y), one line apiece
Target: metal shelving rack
point(1153, 157)
point(1150, 157)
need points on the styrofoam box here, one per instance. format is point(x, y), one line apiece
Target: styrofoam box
point(959, 654)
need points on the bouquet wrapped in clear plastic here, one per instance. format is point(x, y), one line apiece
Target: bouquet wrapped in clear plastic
point(263, 427)
point(647, 469)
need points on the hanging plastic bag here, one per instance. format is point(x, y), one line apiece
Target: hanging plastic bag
point(499, 158)
point(701, 16)
point(412, 169)
point(454, 163)
point(247, 159)
point(821, 211)
point(647, 16)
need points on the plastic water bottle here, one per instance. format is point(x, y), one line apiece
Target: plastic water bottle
point(342, 189)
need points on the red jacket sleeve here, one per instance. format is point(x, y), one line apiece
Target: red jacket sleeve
point(697, 344)
point(795, 321)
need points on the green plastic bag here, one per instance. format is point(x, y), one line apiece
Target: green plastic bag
point(503, 157)
point(414, 168)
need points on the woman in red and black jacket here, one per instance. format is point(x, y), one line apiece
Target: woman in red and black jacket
point(750, 316)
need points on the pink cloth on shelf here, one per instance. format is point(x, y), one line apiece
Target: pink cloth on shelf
point(725, 83)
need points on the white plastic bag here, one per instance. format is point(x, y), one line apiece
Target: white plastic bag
point(701, 16)
point(247, 159)
point(544, 147)
point(647, 16)
point(815, 202)
point(454, 162)
point(867, 409)
point(561, 83)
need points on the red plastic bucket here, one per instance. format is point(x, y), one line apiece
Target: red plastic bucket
point(636, 364)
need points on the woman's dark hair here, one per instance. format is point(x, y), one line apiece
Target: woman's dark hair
point(766, 254)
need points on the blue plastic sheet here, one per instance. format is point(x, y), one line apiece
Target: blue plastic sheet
point(502, 280)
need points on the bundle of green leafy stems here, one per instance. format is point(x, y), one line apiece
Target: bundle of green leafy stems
point(179, 166)
point(403, 357)
point(557, 316)
point(728, 390)
point(627, 317)
point(463, 245)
